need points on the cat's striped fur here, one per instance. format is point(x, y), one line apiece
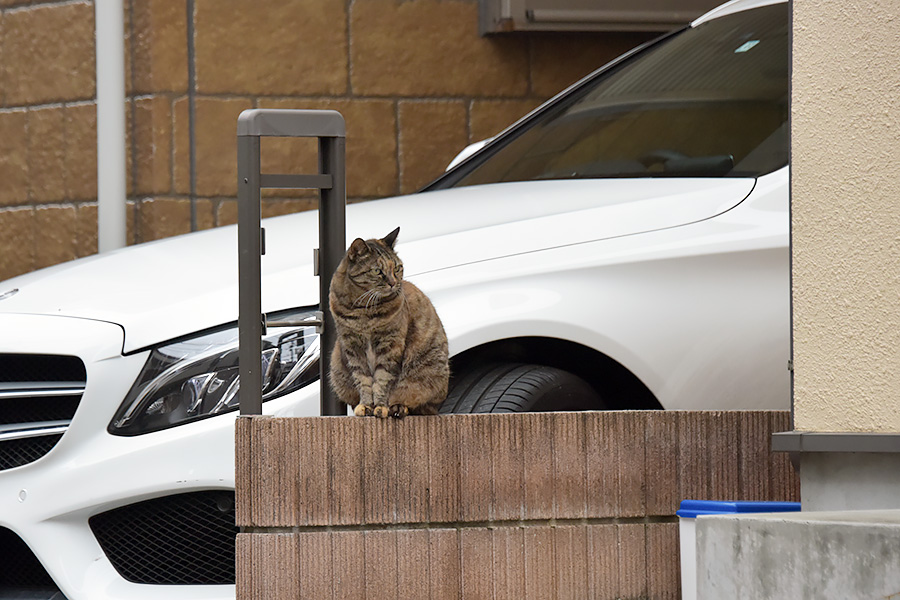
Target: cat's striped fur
point(390, 357)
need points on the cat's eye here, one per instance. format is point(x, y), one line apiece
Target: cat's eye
point(376, 271)
point(399, 269)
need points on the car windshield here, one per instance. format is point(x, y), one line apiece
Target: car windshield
point(710, 101)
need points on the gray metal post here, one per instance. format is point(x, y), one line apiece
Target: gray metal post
point(329, 127)
point(332, 244)
point(249, 271)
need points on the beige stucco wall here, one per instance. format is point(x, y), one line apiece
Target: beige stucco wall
point(846, 215)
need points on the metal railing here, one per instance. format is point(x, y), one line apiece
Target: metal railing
point(328, 126)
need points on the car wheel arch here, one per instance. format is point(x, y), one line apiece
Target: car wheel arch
point(619, 387)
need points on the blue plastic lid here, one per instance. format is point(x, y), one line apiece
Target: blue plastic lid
point(694, 508)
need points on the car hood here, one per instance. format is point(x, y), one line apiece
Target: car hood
point(161, 290)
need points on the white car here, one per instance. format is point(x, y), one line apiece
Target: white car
point(625, 246)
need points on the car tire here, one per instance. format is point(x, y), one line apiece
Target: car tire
point(513, 387)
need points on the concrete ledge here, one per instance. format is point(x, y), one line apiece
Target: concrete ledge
point(852, 554)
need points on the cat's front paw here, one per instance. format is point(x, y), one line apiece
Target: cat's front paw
point(398, 411)
point(362, 410)
point(381, 412)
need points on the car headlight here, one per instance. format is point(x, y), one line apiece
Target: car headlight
point(197, 377)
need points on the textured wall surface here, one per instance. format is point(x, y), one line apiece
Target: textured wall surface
point(414, 81)
point(846, 216)
point(515, 506)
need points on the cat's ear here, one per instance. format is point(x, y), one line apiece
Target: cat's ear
point(391, 238)
point(358, 248)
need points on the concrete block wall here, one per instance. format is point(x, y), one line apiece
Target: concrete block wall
point(518, 506)
point(414, 81)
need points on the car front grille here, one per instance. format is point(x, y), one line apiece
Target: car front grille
point(21, 569)
point(38, 397)
point(185, 539)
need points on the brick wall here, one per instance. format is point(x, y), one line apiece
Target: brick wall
point(413, 79)
point(514, 506)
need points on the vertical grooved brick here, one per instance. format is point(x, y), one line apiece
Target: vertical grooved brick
point(753, 469)
point(348, 549)
point(603, 561)
point(663, 561)
point(661, 464)
point(316, 565)
point(508, 466)
point(476, 562)
point(411, 504)
point(724, 447)
point(475, 479)
point(569, 466)
point(444, 564)
point(540, 567)
point(537, 444)
point(602, 454)
point(632, 561)
point(348, 469)
point(443, 464)
point(379, 486)
point(693, 455)
point(785, 480)
point(313, 461)
point(413, 568)
point(509, 563)
point(631, 427)
point(243, 447)
point(570, 550)
point(14, 158)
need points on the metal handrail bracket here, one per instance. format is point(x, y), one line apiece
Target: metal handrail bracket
point(328, 126)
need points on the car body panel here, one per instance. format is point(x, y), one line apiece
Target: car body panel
point(168, 288)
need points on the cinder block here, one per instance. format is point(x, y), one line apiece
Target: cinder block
point(490, 117)
point(431, 134)
point(559, 60)
point(47, 154)
point(81, 151)
point(17, 251)
point(439, 54)
point(159, 38)
point(14, 158)
point(372, 166)
point(86, 232)
point(165, 217)
point(237, 52)
point(215, 126)
point(48, 54)
point(152, 135)
point(55, 228)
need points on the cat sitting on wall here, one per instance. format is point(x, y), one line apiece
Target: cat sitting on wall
point(390, 357)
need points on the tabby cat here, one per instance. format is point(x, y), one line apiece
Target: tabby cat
point(390, 357)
